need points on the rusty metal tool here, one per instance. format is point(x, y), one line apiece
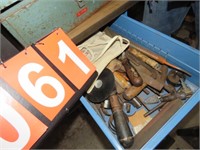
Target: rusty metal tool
point(156, 57)
point(152, 99)
point(187, 90)
point(132, 74)
point(154, 90)
point(146, 91)
point(169, 88)
point(144, 105)
point(133, 91)
point(154, 64)
point(146, 75)
point(166, 98)
point(137, 61)
point(123, 131)
point(136, 103)
point(171, 97)
point(127, 107)
point(154, 109)
point(182, 94)
point(174, 76)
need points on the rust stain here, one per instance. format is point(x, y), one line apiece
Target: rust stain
point(23, 7)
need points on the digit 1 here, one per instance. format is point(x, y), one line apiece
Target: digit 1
point(65, 50)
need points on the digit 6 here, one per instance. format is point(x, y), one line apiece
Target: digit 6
point(35, 91)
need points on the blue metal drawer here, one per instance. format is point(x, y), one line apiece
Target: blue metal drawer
point(176, 53)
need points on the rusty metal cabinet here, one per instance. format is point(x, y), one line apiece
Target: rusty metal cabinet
point(30, 20)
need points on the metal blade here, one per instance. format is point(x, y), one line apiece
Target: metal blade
point(152, 99)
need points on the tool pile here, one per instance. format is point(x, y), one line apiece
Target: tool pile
point(135, 72)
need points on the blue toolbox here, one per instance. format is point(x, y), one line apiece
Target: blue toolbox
point(175, 52)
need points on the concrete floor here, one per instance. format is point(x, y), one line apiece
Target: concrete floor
point(77, 131)
point(191, 120)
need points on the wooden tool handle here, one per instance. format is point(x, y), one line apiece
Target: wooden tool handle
point(123, 131)
point(133, 75)
point(157, 57)
point(122, 80)
point(133, 91)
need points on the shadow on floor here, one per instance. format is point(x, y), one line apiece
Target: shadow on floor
point(76, 131)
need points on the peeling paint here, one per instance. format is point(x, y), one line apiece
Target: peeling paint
point(36, 18)
point(17, 10)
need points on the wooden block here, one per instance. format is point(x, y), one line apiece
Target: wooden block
point(138, 120)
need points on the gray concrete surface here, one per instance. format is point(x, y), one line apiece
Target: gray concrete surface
point(77, 131)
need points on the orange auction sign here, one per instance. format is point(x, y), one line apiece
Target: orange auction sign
point(73, 64)
point(19, 128)
point(38, 85)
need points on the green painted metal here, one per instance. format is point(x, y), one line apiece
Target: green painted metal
point(5, 3)
point(30, 20)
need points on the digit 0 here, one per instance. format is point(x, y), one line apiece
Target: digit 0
point(16, 120)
